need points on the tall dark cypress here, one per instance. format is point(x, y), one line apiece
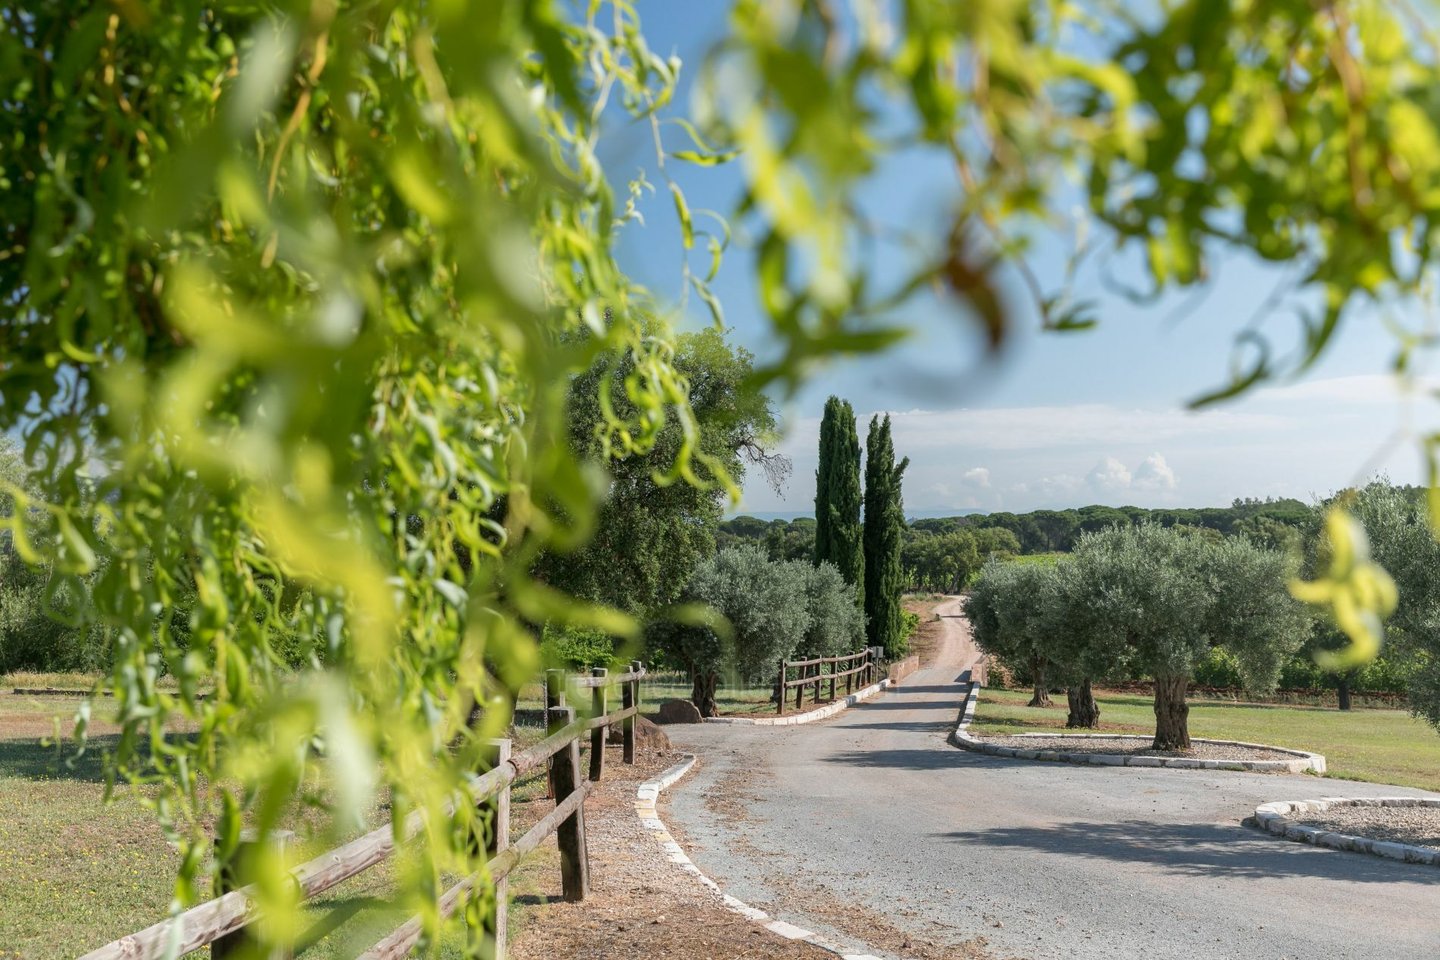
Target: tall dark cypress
point(884, 526)
point(838, 536)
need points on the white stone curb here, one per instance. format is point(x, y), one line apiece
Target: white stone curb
point(962, 738)
point(645, 797)
point(829, 710)
point(1272, 817)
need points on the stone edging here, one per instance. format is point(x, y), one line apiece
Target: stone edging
point(962, 738)
point(1272, 818)
point(645, 797)
point(810, 716)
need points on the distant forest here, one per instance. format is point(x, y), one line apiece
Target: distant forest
point(943, 553)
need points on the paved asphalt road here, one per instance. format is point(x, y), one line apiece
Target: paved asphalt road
point(1043, 860)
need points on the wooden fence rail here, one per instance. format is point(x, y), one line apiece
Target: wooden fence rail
point(856, 669)
point(226, 917)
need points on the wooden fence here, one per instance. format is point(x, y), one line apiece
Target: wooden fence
point(222, 922)
point(856, 669)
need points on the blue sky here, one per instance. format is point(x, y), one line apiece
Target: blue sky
point(1059, 419)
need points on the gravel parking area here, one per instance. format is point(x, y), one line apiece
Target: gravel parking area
point(1419, 826)
point(1135, 747)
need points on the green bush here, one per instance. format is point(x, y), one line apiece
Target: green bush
point(909, 623)
point(576, 649)
point(1218, 669)
point(36, 623)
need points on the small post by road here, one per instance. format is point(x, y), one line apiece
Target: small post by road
point(242, 944)
point(570, 835)
point(630, 697)
point(554, 698)
point(597, 736)
point(780, 691)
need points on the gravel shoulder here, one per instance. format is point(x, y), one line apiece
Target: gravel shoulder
point(1418, 826)
point(641, 905)
point(1130, 746)
point(874, 811)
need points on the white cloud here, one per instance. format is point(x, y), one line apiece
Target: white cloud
point(1376, 388)
point(977, 477)
point(1083, 425)
point(1154, 474)
point(1108, 476)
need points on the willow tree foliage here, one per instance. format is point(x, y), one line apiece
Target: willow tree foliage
point(838, 536)
point(292, 294)
point(883, 531)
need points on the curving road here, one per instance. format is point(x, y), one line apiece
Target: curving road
point(874, 811)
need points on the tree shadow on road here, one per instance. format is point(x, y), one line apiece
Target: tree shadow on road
point(940, 757)
point(1199, 850)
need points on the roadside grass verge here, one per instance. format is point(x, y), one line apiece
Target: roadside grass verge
point(1379, 746)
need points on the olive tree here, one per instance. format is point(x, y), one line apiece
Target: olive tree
point(1163, 599)
point(835, 627)
point(1397, 527)
point(1071, 625)
point(764, 615)
point(1007, 622)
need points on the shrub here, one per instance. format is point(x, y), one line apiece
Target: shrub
point(576, 648)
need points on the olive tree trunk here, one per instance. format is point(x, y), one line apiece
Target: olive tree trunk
point(1084, 711)
point(1172, 714)
point(1342, 691)
point(702, 693)
point(1041, 697)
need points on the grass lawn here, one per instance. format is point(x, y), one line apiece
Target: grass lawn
point(87, 873)
point(1381, 746)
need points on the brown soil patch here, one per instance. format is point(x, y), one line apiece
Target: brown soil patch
point(927, 637)
point(641, 905)
point(815, 900)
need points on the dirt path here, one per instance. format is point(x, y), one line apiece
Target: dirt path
point(873, 830)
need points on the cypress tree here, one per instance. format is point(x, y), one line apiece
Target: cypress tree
point(884, 527)
point(838, 536)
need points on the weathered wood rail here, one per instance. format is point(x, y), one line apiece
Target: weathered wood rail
point(221, 923)
point(856, 669)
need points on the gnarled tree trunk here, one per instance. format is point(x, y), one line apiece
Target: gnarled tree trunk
point(1084, 711)
point(1041, 697)
point(1172, 714)
point(702, 693)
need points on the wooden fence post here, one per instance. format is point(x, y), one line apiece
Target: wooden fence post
point(799, 688)
point(597, 736)
point(630, 697)
point(832, 680)
point(554, 698)
point(493, 945)
point(242, 945)
point(570, 836)
point(781, 691)
point(815, 694)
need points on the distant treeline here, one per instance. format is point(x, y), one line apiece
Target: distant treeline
point(1048, 531)
point(943, 553)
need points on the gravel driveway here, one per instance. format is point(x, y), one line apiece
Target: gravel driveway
point(873, 815)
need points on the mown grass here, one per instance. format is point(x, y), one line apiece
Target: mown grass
point(76, 873)
point(1380, 746)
